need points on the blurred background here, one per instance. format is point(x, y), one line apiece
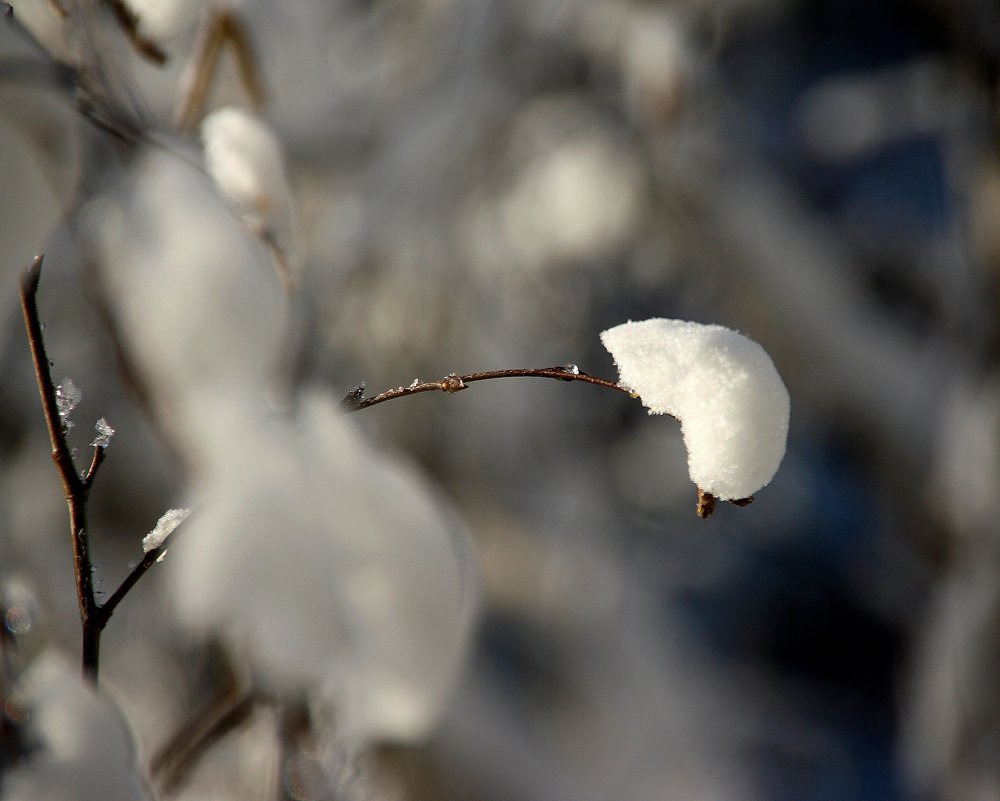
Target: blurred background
point(484, 184)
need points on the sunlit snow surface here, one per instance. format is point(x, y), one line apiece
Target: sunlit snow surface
point(723, 388)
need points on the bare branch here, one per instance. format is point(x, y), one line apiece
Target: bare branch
point(355, 401)
point(59, 8)
point(129, 21)
point(46, 387)
point(246, 61)
point(219, 27)
point(95, 463)
point(230, 706)
point(455, 383)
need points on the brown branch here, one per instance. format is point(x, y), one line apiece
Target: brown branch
point(246, 61)
point(230, 705)
point(95, 462)
point(46, 387)
point(149, 558)
point(218, 28)
point(196, 741)
point(76, 489)
point(129, 21)
point(93, 615)
point(59, 8)
point(355, 401)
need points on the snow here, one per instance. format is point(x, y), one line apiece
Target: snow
point(104, 434)
point(244, 158)
point(68, 395)
point(195, 296)
point(327, 568)
point(171, 519)
point(723, 388)
point(83, 749)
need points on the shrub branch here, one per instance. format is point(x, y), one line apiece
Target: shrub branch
point(355, 401)
point(94, 616)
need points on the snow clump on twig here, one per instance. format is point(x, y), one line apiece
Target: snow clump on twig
point(723, 388)
point(165, 526)
point(245, 160)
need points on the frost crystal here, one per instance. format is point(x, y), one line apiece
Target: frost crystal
point(723, 387)
point(104, 434)
point(164, 526)
point(68, 395)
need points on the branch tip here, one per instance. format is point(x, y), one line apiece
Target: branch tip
point(706, 504)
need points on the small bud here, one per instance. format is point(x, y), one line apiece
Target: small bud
point(354, 396)
point(706, 504)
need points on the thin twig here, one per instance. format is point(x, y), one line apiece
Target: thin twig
point(75, 488)
point(149, 558)
point(295, 731)
point(129, 22)
point(246, 61)
point(456, 383)
point(219, 27)
point(355, 401)
point(207, 732)
point(93, 615)
point(231, 704)
point(59, 8)
point(199, 72)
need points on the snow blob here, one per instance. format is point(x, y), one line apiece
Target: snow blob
point(244, 158)
point(723, 388)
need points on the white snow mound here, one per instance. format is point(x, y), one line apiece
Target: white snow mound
point(723, 388)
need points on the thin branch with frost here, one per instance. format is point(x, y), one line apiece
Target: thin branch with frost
point(355, 401)
point(154, 546)
point(75, 486)
point(721, 386)
point(57, 403)
point(244, 158)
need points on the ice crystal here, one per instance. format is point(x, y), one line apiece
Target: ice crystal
point(171, 519)
point(68, 395)
point(104, 434)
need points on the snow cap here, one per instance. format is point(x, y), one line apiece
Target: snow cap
point(244, 158)
point(723, 388)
